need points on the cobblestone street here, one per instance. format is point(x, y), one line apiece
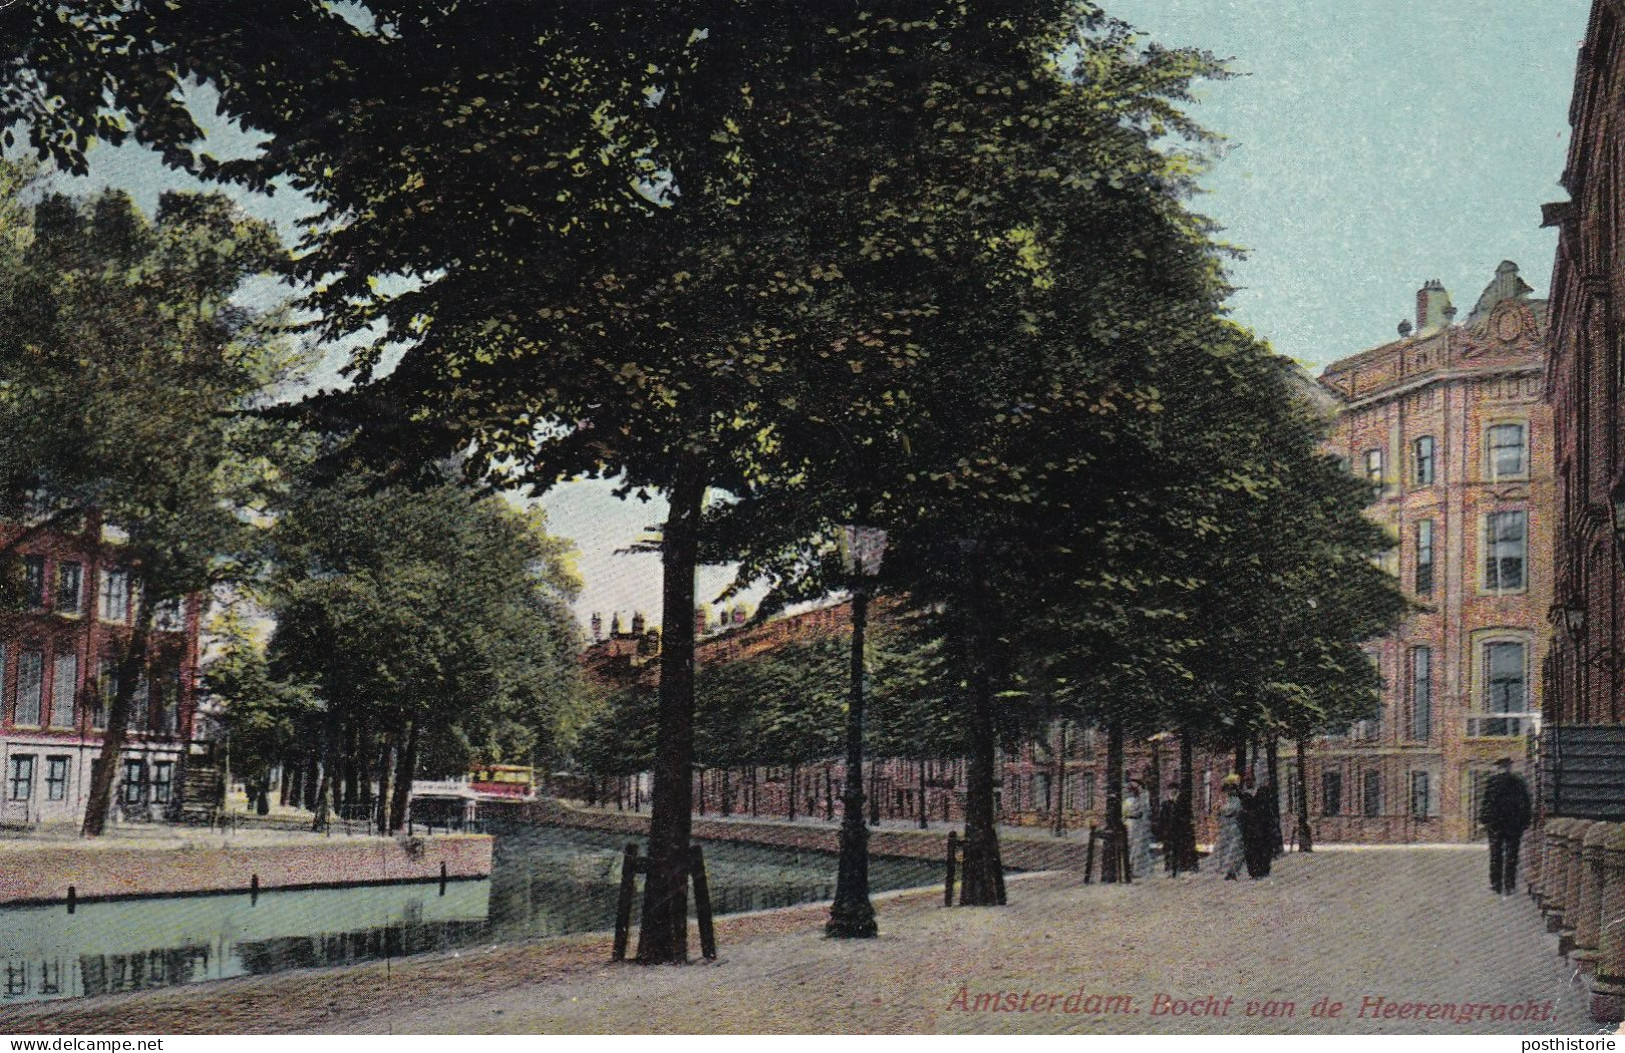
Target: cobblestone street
point(1410, 925)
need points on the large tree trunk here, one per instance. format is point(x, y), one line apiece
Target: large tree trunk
point(1113, 859)
point(1186, 813)
point(364, 776)
point(131, 665)
point(1058, 781)
point(1306, 837)
point(924, 821)
point(352, 770)
point(793, 788)
point(663, 932)
point(983, 878)
point(1272, 746)
point(405, 770)
point(386, 768)
point(327, 792)
point(308, 781)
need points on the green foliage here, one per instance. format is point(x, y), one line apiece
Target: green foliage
point(126, 368)
point(261, 715)
point(434, 607)
point(787, 705)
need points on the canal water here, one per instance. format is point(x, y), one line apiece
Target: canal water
point(544, 882)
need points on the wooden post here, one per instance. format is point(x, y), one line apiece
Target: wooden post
point(442, 877)
point(253, 889)
point(948, 887)
point(623, 908)
point(73, 898)
point(702, 903)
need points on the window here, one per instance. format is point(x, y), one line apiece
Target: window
point(163, 778)
point(1508, 457)
point(1421, 798)
point(135, 781)
point(70, 579)
point(115, 595)
point(1331, 793)
point(1371, 795)
point(1088, 791)
point(20, 778)
point(106, 689)
point(1421, 693)
point(167, 617)
point(166, 702)
point(1505, 544)
point(1424, 558)
point(30, 684)
point(1505, 685)
point(1373, 467)
point(56, 778)
point(141, 705)
point(64, 689)
point(34, 581)
point(1422, 457)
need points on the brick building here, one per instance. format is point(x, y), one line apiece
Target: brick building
point(1449, 426)
point(1065, 769)
point(58, 648)
point(1583, 748)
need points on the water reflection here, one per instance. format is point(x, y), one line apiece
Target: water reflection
point(544, 882)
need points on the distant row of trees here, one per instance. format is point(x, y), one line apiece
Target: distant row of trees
point(926, 264)
point(415, 627)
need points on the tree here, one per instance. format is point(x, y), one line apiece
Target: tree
point(128, 367)
point(434, 624)
point(261, 715)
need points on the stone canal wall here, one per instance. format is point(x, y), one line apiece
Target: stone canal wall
point(42, 872)
point(1018, 852)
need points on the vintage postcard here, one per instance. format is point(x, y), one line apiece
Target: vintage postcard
point(870, 517)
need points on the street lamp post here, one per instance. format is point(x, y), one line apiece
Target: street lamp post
point(852, 915)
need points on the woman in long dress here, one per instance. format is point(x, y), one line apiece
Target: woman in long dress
point(1137, 818)
point(1229, 852)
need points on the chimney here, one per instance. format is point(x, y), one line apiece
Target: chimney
point(597, 627)
point(615, 625)
point(702, 620)
point(1433, 310)
point(637, 623)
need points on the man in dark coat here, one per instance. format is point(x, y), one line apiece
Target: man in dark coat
point(1257, 843)
point(1504, 813)
point(1170, 830)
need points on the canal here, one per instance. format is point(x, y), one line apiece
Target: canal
point(544, 882)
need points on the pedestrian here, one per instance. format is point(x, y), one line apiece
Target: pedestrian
point(1504, 814)
point(1228, 850)
point(1178, 838)
point(1258, 844)
point(1137, 821)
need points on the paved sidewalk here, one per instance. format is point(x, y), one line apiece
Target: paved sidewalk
point(1413, 926)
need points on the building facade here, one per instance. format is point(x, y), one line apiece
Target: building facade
point(1449, 426)
point(1583, 751)
point(59, 643)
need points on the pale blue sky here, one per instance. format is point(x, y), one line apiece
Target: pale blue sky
point(1375, 144)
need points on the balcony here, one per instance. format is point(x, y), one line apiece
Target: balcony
point(1502, 725)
